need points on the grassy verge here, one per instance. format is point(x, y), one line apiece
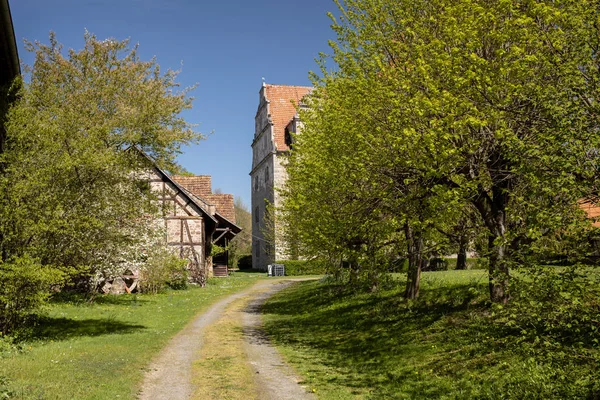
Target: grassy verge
point(222, 371)
point(444, 345)
point(100, 350)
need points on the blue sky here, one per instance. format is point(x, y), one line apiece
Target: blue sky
point(225, 46)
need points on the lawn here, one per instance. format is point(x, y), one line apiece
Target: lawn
point(447, 344)
point(100, 350)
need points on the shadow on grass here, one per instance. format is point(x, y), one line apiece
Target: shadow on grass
point(248, 271)
point(373, 332)
point(47, 328)
point(105, 299)
point(445, 344)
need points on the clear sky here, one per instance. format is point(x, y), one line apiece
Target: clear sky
point(225, 46)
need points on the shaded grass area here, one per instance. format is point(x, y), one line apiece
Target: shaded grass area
point(447, 344)
point(99, 350)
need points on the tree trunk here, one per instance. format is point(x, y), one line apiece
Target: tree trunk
point(498, 271)
point(461, 259)
point(492, 210)
point(415, 258)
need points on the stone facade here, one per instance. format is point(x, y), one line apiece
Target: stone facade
point(275, 118)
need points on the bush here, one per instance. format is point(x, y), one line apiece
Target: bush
point(25, 285)
point(245, 262)
point(398, 265)
point(303, 267)
point(163, 269)
point(436, 264)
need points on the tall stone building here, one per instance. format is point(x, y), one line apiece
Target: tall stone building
point(276, 118)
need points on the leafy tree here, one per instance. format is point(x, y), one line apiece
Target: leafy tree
point(241, 245)
point(72, 196)
point(491, 103)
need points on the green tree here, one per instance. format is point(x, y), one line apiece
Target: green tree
point(491, 103)
point(72, 195)
point(241, 245)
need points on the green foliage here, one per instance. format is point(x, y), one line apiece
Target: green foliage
point(215, 250)
point(304, 267)
point(101, 350)
point(245, 262)
point(25, 285)
point(71, 195)
point(241, 245)
point(438, 110)
point(446, 344)
point(161, 270)
point(437, 264)
point(5, 391)
point(555, 306)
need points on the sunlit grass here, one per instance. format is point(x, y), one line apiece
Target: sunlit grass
point(100, 350)
point(351, 345)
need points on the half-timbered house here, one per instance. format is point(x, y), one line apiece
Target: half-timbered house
point(194, 221)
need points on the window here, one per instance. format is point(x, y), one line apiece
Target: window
point(267, 175)
point(256, 183)
point(257, 251)
point(256, 218)
point(288, 138)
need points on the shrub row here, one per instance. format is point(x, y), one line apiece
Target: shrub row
point(245, 262)
point(303, 267)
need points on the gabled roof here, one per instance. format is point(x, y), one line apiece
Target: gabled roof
point(219, 208)
point(200, 186)
point(184, 192)
point(283, 101)
point(9, 58)
point(224, 204)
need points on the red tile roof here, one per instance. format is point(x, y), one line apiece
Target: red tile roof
point(224, 204)
point(592, 210)
point(200, 186)
point(283, 101)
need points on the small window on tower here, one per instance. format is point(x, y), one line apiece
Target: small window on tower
point(288, 138)
point(256, 183)
point(256, 215)
point(267, 175)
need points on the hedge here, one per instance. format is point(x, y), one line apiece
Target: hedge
point(303, 267)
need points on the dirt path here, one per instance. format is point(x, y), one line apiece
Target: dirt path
point(170, 375)
point(274, 379)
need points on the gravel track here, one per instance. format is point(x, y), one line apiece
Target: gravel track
point(274, 379)
point(169, 376)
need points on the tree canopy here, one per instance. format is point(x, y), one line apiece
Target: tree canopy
point(71, 193)
point(437, 109)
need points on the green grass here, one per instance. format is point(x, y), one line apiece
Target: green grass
point(100, 350)
point(447, 344)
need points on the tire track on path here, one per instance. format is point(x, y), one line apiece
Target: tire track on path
point(170, 375)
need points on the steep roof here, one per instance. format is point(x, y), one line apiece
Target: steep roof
point(167, 178)
point(283, 101)
point(9, 59)
point(200, 186)
point(224, 204)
